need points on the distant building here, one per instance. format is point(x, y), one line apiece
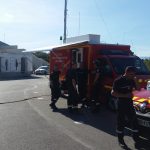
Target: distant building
point(14, 62)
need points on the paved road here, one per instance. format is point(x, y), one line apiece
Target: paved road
point(27, 122)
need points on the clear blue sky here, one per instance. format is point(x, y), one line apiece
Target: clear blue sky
point(38, 23)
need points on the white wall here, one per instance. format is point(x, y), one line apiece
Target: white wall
point(12, 62)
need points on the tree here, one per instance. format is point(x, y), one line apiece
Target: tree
point(147, 63)
point(42, 55)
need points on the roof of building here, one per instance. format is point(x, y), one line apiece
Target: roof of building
point(3, 44)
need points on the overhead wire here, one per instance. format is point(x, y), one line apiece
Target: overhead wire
point(102, 18)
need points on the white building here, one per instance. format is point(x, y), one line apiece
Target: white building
point(14, 62)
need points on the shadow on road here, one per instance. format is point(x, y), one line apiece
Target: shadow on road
point(21, 78)
point(106, 121)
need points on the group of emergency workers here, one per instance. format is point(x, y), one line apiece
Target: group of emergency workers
point(76, 82)
point(76, 79)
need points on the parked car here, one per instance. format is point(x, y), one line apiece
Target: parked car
point(42, 70)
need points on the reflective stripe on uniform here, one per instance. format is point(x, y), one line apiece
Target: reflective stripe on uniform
point(136, 131)
point(75, 106)
point(83, 99)
point(120, 132)
point(97, 103)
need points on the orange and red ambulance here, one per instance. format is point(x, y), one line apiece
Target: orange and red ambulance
point(115, 59)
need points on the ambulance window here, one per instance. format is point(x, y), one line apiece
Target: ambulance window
point(119, 65)
point(106, 67)
point(141, 67)
point(137, 64)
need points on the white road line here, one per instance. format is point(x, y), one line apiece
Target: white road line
point(40, 98)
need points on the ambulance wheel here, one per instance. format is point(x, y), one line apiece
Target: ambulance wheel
point(112, 103)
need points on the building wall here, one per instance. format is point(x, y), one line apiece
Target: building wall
point(15, 64)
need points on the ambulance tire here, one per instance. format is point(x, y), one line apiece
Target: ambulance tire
point(112, 103)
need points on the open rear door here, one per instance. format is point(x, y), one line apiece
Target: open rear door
point(77, 56)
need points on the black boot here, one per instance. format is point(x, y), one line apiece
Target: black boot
point(53, 106)
point(136, 137)
point(93, 107)
point(84, 103)
point(121, 140)
point(70, 109)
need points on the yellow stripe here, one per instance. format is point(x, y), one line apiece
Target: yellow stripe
point(141, 100)
point(135, 97)
point(136, 102)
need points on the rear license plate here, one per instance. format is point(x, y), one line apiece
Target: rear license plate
point(144, 123)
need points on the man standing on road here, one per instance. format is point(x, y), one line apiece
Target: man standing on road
point(55, 87)
point(122, 89)
point(71, 78)
point(82, 75)
point(97, 87)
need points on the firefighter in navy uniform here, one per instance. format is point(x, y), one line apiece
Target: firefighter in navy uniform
point(82, 75)
point(71, 79)
point(97, 87)
point(122, 89)
point(55, 87)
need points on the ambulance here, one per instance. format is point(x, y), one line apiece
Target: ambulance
point(115, 58)
point(141, 102)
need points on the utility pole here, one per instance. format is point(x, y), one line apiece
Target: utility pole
point(65, 21)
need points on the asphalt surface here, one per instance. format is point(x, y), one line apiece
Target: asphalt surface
point(28, 123)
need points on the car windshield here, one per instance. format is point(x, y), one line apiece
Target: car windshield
point(119, 65)
point(43, 67)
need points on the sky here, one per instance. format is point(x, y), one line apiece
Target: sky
point(34, 24)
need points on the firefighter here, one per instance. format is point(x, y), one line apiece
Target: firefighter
point(123, 87)
point(82, 75)
point(55, 87)
point(71, 79)
point(97, 87)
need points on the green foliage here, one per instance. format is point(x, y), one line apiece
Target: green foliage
point(147, 63)
point(42, 55)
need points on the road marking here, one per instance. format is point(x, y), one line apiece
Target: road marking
point(61, 127)
point(35, 92)
point(40, 98)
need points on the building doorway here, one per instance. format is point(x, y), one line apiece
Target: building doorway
point(23, 65)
